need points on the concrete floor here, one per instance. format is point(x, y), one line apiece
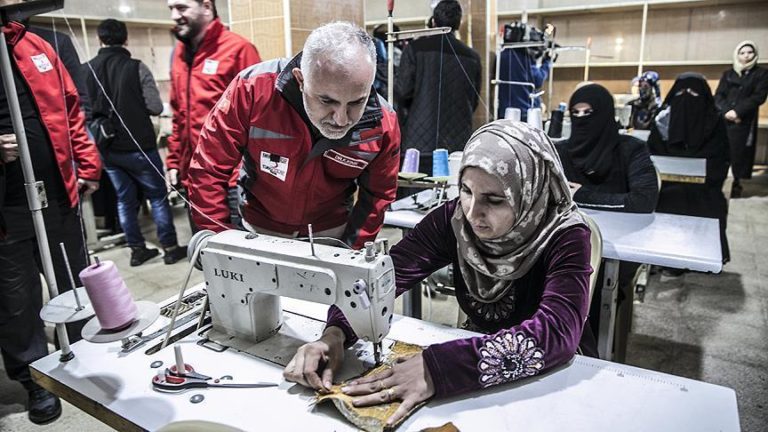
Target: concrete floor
point(712, 328)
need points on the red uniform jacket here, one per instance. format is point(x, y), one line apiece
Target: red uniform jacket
point(196, 89)
point(292, 175)
point(56, 99)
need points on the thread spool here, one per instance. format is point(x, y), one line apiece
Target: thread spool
point(512, 114)
point(534, 118)
point(454, 165)
point(556, 125)
point(110, 297)
point(440, 163)
point(411, 162)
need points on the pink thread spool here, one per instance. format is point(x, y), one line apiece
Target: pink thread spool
point(110, 297)
point(411, 162)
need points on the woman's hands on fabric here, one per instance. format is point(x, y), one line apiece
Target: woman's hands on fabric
point(407, 380)
point(315, 363)
point(732, 116)
point(9, 148)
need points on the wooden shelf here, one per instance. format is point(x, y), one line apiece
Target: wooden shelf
point(97, 19)
point(621, 7)
point(650, 63)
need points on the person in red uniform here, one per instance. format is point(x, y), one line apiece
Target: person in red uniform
point(68, 164)
point(311, 132)
point(206, 59)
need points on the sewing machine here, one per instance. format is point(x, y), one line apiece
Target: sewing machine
point(246, 274)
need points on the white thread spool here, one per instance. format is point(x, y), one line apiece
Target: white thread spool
point(534, 118)
point(512, 114)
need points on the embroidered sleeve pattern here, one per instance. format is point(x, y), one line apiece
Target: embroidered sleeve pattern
point(508, 356)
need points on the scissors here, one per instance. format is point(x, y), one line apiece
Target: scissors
point(171, 381)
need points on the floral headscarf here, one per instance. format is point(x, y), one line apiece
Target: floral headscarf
point(526, 163)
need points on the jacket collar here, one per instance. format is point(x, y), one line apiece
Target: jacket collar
point(288, 87)
point(114, 50)
point(212, 33)
point(14, 31)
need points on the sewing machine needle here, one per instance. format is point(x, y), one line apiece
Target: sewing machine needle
point(377, 353)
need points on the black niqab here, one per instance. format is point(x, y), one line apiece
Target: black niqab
point(693, 115)
point(594, 138)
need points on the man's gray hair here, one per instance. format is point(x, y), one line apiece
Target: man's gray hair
point(337, 44)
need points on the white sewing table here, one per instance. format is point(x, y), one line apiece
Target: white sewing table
point(676, 241)
point(681, 169)
point(585, 395)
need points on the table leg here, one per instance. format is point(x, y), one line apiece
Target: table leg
point(412, 298)
point(609, 293)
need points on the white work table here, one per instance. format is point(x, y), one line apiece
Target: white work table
point(587, 394)
point(681, 169)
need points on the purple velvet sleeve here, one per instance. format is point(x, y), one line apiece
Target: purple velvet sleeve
point(429, 247)
point(548, 339)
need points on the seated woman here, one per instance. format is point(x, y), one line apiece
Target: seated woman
point(689, 125)
point(522, 251)
point(607, 171)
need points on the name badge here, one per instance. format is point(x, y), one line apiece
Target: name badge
point(210, 67)
point(42, 63)
point(274, 164)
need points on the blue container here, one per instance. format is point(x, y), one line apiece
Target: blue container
point(440, 163)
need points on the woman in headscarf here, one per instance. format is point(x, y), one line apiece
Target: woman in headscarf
point(521, 251)
point(607, 171)
point(690, 126)
point(738, 97)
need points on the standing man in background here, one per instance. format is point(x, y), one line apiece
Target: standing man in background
point(67, 162)
point(438, 83)
point(206, 59)
point(131, 88)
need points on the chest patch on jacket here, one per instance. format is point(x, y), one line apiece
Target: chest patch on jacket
point(42, 63)
point(274, 164)
point(210, 66)
point(345, 160)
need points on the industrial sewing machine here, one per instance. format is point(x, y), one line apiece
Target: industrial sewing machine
point(246, 274)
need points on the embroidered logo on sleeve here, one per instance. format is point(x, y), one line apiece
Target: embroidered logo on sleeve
point(42, 63)
point(210, 66)
point(274, 164)
point(345, 160)
point(508, 356)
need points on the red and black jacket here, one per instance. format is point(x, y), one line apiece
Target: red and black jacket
point(292, 175)
point(197, 82)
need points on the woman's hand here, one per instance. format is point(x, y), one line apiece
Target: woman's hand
point(9, 148)
point(407, 380)
point(574, 187)
point(732, 116)
point(315, 363)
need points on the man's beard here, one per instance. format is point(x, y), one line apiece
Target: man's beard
point(194, 29)
point(324, 130)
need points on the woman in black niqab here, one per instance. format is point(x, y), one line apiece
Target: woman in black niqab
point(689, 126)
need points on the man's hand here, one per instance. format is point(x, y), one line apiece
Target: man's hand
point(408, 380)
point(9, 148)
point(732, 116)
point(323, 357)
point(87, 187)
point(172, 177)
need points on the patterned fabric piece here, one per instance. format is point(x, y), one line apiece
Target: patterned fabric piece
point(527, 165)
point(509, 356)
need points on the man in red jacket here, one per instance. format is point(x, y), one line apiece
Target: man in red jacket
point(68, 164)
point(206, 59)
point(311, 132)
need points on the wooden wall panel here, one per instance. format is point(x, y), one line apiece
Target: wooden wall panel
point(261, 22)
point(306, 15)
